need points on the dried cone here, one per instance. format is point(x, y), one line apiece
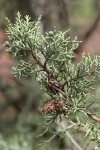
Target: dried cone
point(54, 86)
point(57, 106)
point(48, 108)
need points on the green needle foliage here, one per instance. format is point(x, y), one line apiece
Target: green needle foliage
point(69, 86)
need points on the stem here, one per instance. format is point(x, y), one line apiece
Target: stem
point(70, 137)
point(40, 64)
point(93, 117)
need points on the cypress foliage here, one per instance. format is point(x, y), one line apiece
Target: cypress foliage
point(69, 86)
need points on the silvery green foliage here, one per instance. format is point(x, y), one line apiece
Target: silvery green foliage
point(24, 69)
point(23, 35)
point(57, 49)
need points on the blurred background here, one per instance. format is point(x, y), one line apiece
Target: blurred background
point(20, 118)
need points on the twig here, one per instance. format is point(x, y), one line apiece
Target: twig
point(40, 63)
point(70, 137)
point(93, 117)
